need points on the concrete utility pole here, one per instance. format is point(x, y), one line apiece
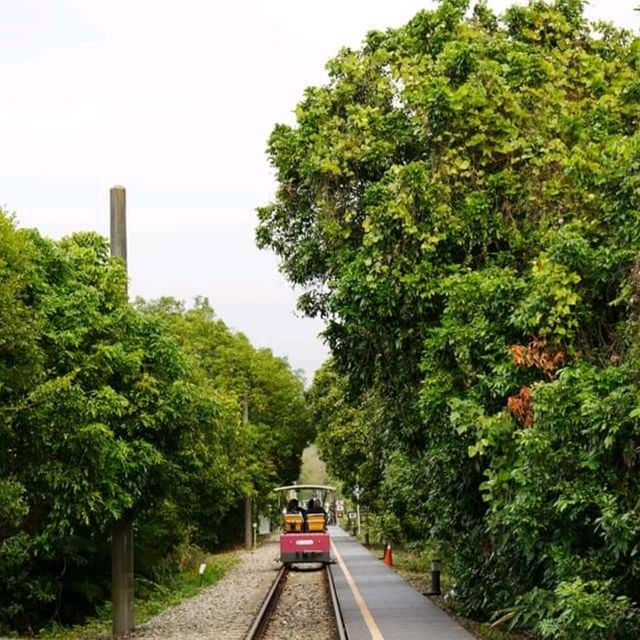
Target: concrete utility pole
point(119, 223)
point(121, 531)
point(248, 520)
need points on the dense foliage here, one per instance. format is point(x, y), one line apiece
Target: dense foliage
point(461, 203)
point(112, 411)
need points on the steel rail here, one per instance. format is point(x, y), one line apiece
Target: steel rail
point(261, 620)
point(337, 611)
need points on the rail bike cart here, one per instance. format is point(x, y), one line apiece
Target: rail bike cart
point(305, 512)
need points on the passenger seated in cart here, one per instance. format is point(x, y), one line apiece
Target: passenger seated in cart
point(314, 506)
point(293, 506)
point(316, 518)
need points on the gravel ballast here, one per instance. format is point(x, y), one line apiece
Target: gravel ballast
point(304, 610)
point(223, 611)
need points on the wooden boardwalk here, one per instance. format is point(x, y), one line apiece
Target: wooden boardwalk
point(378, 604)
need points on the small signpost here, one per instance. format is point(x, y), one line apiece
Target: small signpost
point(357, 492)
point(353, 518)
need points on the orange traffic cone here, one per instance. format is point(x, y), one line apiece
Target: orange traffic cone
point(388, 556)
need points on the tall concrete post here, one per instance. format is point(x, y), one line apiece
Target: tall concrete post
point(248, 520)
point(119, 223)
point(248, 528)
point(121, 531)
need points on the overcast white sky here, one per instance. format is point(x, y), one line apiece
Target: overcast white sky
point(175, 100)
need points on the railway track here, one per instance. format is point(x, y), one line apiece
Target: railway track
point(301, 603)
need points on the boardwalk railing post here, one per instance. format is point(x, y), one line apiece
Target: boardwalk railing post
point(122, 530)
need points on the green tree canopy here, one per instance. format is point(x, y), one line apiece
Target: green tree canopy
point(110, 411)
point(279, 427)
point(461, 203)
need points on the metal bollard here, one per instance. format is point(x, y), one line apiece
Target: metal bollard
point(436, 568)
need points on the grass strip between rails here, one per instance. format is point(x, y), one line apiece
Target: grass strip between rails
point(151, 598)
